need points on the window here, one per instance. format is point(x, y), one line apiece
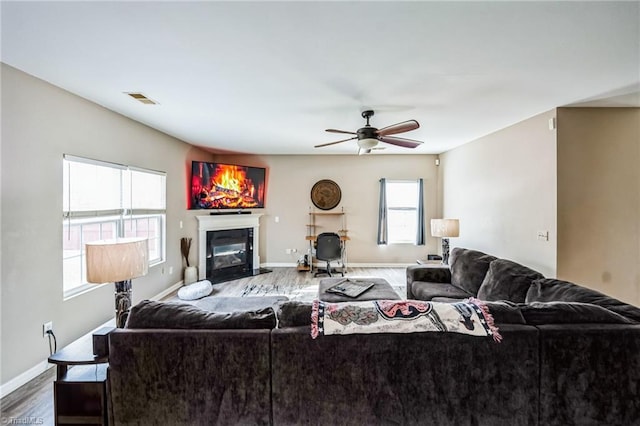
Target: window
point(401, 212)
point(104, 201)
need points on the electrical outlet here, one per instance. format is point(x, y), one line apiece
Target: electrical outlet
point(288, 251)
point(47, 326)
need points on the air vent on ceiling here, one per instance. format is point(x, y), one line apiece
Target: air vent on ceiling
point(141, 98)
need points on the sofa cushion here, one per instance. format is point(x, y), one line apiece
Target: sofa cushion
point(549, 290)
point(427, 291)
point(443, 379)
point(539, 313)
point(468, 268)
point(505, 312)
point(170, 315)
point(507, 280)
point(294, 314)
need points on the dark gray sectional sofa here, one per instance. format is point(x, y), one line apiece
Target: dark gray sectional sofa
point(560, 363)
point(588, 342)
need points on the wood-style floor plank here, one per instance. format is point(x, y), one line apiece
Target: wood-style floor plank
point(33, 402)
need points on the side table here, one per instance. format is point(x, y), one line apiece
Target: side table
point(80, 388)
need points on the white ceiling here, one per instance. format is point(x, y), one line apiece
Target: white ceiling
point(269, 77)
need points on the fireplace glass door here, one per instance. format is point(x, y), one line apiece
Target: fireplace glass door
point(229, 253)
point(226, 256)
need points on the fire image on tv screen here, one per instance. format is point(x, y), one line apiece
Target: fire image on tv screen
point(226, 186)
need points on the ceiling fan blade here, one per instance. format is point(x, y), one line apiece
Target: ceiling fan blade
point(405, 143)
point(333, 143)
point(405, 126)
point(340, 131)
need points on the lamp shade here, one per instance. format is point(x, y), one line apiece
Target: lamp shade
point(445, 228)
point(116, 260)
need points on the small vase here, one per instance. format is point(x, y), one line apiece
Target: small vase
point(190, 275)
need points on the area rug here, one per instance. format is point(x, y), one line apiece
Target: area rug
point(303, 292)
point(292, 291)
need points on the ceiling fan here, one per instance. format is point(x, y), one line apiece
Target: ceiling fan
point(369, 136)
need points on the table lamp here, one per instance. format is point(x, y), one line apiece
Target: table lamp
point(445, 228)
point(118, 261)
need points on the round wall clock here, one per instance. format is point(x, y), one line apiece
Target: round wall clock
point(325, 194)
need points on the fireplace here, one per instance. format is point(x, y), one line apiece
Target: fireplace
point(228, 246)
point(229, 254)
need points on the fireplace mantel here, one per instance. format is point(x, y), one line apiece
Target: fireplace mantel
point(223, 222)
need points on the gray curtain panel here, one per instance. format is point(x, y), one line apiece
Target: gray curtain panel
point(420, 228)
point(382, 213)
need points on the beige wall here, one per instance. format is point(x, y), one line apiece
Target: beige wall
point(290, 178)
point(40, 123)
point(502, 187)
point(599, 199)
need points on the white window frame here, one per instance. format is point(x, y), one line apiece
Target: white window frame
point(412, 206)
point(119, 216)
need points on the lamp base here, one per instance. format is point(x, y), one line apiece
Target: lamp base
point(123, 302)
point(445, 251)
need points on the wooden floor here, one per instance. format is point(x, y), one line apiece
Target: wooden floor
point(33, 402)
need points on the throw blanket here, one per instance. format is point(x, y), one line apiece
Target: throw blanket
point(408, 316)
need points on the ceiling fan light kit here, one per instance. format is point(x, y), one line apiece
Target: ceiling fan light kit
point(367, 143)
point(368, 136)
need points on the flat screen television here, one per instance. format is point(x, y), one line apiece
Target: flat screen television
point(226, 186)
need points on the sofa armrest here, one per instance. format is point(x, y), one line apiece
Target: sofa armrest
point(439, 274)
point(429, 273)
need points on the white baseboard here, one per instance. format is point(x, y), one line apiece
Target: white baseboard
point(279, 265)
point(41, 367)
point(24, 378)
point(349, 265)
point(167, 292)
point(378, 265)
